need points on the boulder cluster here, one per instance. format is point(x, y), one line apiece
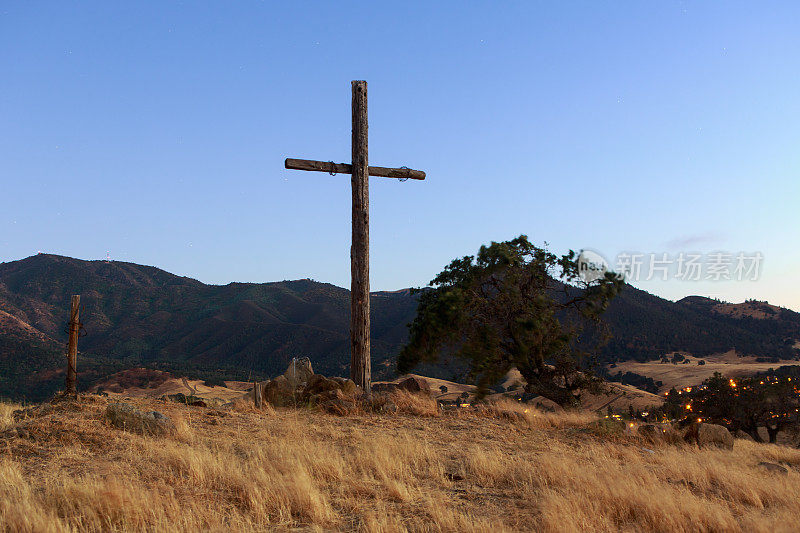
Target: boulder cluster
point(299, 385)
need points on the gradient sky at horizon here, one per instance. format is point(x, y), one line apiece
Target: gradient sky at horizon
point(157, 131)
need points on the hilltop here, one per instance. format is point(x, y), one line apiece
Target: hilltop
point(137, 315)
point(510, 468)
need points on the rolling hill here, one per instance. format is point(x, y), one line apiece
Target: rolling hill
point(138, 315)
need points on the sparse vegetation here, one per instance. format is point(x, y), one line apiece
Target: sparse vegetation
point(483, 471)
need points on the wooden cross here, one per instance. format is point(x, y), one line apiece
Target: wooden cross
point(359, 249)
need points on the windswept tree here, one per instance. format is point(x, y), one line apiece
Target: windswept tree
point(512, 305)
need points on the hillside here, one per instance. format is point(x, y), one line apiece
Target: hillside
point(645, 327)
point(138, 315)
point(64, 468)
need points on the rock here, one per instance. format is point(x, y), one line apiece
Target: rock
point(414, 384)
point(381, 402)
point(279, 392)
point(323, 397)
point(714, 435)
point(774, 468)
point(709, 435)
point(314, 389)
point(320, 389)
point(347, 386)
point(318, 384)
point(127, 417)
point(339, 407)
point(191, 399)
point(743, 435)
point(384, 387)
point(299, 372)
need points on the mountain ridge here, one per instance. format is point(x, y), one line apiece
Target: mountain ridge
point(142, 315)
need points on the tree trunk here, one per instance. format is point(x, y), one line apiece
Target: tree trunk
point(773, 434)
point(753, 432)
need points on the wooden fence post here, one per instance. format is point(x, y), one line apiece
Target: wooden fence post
point(258, 394)
point(72, 346)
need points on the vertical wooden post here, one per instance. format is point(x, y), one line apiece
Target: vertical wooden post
point(72, 347)
point(359, 250)
point(258, 394)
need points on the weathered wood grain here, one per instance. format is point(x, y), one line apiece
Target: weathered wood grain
point(343, 168)
point(360, 364)
point(72, 346)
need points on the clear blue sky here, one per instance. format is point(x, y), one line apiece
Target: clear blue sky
point(157, 130)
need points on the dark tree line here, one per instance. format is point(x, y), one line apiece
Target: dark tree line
point(747, 404)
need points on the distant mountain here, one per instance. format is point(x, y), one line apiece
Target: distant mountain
point(138, 315)
point(645, 327)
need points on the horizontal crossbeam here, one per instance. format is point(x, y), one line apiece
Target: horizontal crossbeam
point(343, 168)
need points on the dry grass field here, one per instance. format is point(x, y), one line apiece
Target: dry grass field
point(508, 468)
point(691, 374)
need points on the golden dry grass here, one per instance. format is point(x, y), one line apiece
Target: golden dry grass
point(6, 411)
point(414, 404)
point(531, 417)
point(490, 470)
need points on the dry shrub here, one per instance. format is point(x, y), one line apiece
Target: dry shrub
point(245, 404)
point(6, 414)
point(183, 429)
point(414, 403)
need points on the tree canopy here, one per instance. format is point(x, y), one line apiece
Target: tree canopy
point(513, 304)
